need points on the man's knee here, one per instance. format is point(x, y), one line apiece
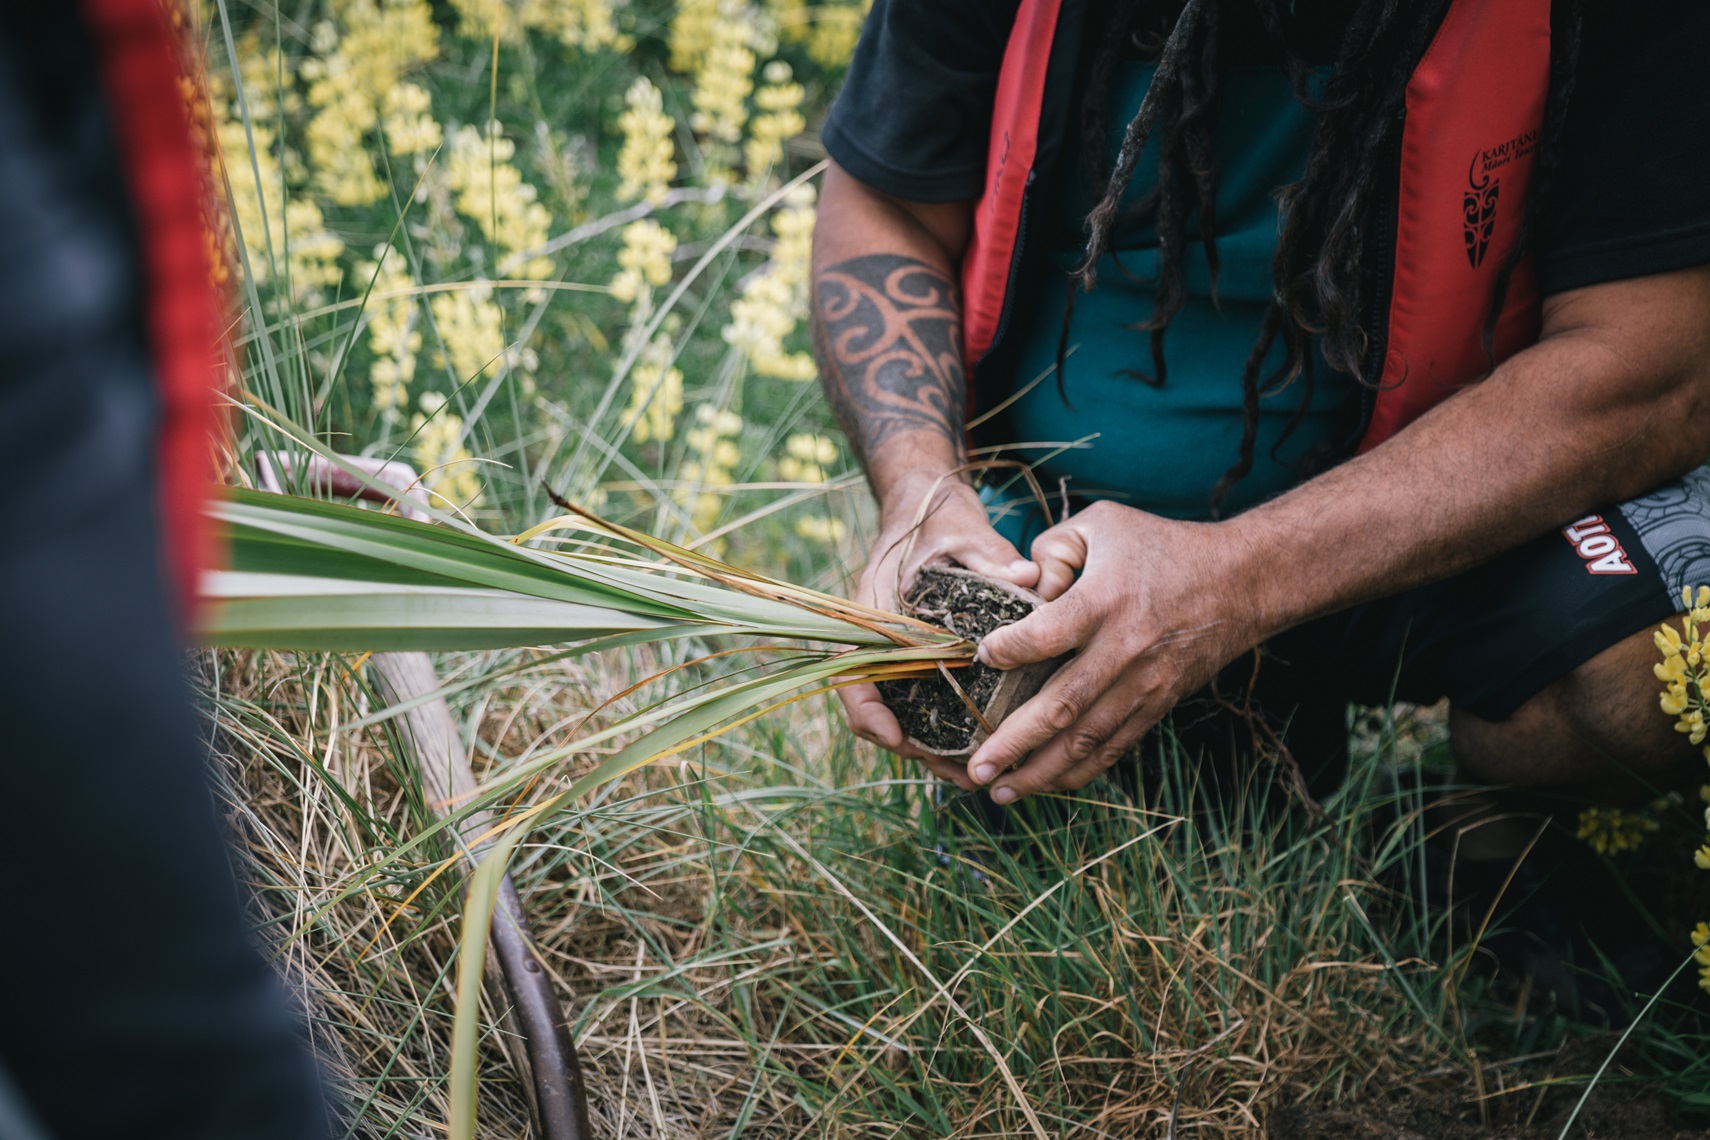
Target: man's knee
point(1598, 727)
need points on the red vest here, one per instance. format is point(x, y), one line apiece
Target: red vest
point(1474, 114)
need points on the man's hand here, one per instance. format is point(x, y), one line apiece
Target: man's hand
point(887, 326)
point(1155, 613)
point(954, 527)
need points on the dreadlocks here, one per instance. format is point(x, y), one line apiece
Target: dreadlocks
point(1329, 217)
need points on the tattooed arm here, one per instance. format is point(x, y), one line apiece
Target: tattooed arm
point(887, 325)
point(889, 340)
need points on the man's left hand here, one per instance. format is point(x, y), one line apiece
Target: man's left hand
point(1157, 610)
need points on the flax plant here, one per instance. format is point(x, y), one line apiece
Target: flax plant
point(308, 574)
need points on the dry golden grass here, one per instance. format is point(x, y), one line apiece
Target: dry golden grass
point(781, 937)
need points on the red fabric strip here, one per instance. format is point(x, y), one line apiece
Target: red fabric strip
point(1009, 159)
point(138, 53)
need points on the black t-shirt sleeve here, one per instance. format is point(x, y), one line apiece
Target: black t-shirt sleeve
point(914, 115)
point(1632, 188)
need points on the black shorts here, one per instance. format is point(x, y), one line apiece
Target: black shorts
point(1493, 637)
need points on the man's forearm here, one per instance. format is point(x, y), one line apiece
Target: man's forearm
point(1599, 411)
point(887, 333)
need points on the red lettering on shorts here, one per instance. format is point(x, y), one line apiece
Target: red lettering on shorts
point(1593, 541)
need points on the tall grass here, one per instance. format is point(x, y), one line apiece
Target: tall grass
point(781, 931)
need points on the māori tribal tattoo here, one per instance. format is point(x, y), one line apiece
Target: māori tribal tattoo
point(888, 333)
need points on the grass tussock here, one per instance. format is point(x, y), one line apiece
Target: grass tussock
point(784, 934)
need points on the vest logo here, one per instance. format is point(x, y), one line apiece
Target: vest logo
point(1484, 186)
point(998, 168)
point(1602, 551)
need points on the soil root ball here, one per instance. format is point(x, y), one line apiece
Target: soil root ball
point(933, 715)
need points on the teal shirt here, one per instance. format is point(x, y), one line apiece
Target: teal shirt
point(1163, 449)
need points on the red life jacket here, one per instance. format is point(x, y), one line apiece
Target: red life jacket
point(1474, 114)
point(166, 176)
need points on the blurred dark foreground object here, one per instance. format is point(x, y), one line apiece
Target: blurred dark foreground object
point(133, 1002)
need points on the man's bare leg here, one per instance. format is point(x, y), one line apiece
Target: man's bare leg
point(1597, 731)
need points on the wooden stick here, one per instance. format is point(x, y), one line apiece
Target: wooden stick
point(548, 1054)
point(534, 1016)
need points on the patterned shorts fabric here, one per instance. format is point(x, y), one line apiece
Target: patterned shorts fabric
point(1673, 525)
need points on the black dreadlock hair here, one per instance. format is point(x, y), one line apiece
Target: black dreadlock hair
point(1328, 217)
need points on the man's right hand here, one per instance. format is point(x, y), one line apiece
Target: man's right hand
point(953, 527)
point(887, 325)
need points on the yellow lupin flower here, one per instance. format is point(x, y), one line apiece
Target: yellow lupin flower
point(820, 529)
point(471, 327)
point(392, 332)
point(409, 123)
point(645, 162)
point(779, 119)
point(1668, 640)
point(280, 230)
point(492, 194)
point(832, 37)
point(773, 301)
point(805, 460)
point(656, 394)
point(448, 468)
point(1610, 831)
point(1675, 705)
point(828, 29)
point(715, 423)
point(585, 24)
point(806, 457)
point(715, 456)
point(792, 18)
point(1682, 671)
point(261, 78)
point(723, 81)
point(359, 58)
point(644, 262)
point(691, 33)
